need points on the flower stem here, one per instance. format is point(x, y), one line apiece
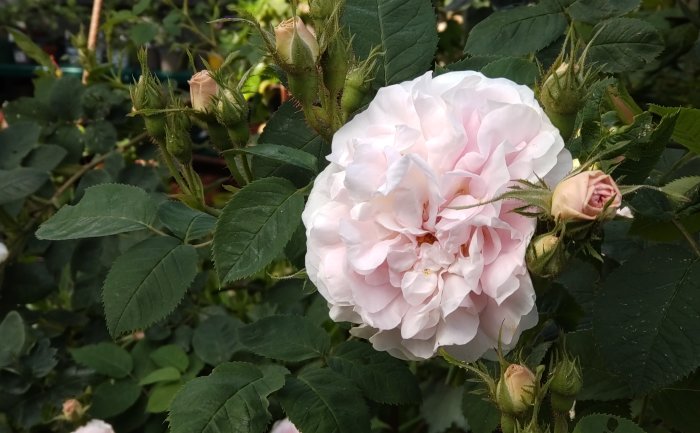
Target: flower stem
point(688, 237)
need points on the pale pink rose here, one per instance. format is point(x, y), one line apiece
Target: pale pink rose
point(95, 426)
point(203, 89)
point(584, 196)
point(284, 426)
point(388, 247)
point(4, 253)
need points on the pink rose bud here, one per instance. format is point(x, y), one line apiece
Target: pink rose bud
point(72, 410)
point(95, 426)
point(516, 389)
point(203, 88)
point(584, 196)
point(285, 34)
point(284, 426)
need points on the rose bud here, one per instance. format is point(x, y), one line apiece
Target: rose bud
point(585, 196)
point(515, 391)
point(284, 426)
point(562, 95)
point(95, 426)
point(295, 44)
point(72, 410)
point(203, 88)
point(232, 112)
point(566, 383)
point(177, 137)
point(545, 255)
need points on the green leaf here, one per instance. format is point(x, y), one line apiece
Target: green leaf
point(42, 360)
point(287, 338)
point(323, 401)
point(142, 33)
point(403, 30)
point(599, 382)
point(521, 71)
point(46, 157)
point(147, 282)
point(19, 183)
point(592, 11)
point(105, 209)
point(110, 399)
point(482, 415)
point(442, 407)
point(161, 396)
point(185, 223)
point(381, 377)
point(171, 355)
point(282, 154)
point(624, 44)
point(287, 127)
point(105, 358)
point(518, 31)
point(100, 137)
point(216, 339)
point(13, 336)
point(678, 405)
point(255, 226)
point(681, 187)
point(165, 374)
point(646, 319)
point(16, 142)
point(32, 50)
point(645, 148)
point(687, 129)
point(65, 99)
point(600, 423)
point(232, 399)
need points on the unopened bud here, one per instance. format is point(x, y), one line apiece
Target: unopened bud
point(561, 95)
point(354, 92)
point(566, 378)
point(147, 94)
point(177, 137)
point(336, 63)
point(516, 389)
point(72, 410)
point(203, 89)
point(545, 255)
point(231, 108)
point(295, 44)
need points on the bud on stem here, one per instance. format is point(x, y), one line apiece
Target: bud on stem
point(515, 392)
point(177, 137)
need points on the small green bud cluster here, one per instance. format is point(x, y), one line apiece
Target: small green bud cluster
point(566, 383)
point(320, 67)
point(147, 94)
point(546, 255)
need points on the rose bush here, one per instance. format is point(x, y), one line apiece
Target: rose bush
point(388, 245)
point(584, 197)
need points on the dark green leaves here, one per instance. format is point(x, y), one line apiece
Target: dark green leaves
point(184, 222)
point(216, 339)
point(13, 336)
point(518, 31)
point(624, 44)
point(646, 317)
point(255, 226)
point(381, 377)
point(287, 338)
point(16, 142)
point(147, 282)
point(687, 128)
point(592, 11)
point(323, 401)
point(104, 210)
point(110, 399)
point(232, 399)
point(404, 31)
point(600, 423)
point(281, 154)
point(105, 358)
point(20, 182)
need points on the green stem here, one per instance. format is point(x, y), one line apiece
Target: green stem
point(174, 172)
